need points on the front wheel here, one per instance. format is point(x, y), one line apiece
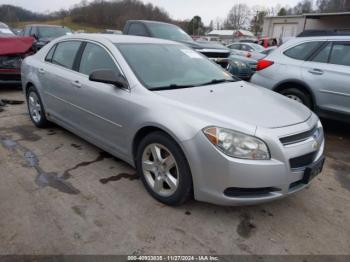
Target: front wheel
point(163, 169)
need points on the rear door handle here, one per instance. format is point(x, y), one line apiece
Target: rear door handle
point(316, 71)
point(41, 71)
point(76, 84)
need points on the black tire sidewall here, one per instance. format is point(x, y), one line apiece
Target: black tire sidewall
point(184, 190)
point(43, 121)
point(299, 93)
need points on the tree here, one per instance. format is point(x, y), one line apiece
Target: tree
point(196, 26)
point(238, 17)
point(282, 12)
point(303, 7)
point(325, 6)
point(256, 24)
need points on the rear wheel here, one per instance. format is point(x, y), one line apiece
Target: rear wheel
point(297, 95)
point(163, 169)
point(35, 108)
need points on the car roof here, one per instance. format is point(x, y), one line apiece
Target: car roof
point(120, 38)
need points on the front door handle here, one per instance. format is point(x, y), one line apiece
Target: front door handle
point(41, 71)
point(76, 84)
point(316, 71)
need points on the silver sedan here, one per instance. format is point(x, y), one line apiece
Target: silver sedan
point(188, 126)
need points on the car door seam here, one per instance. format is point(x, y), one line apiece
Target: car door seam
point(83, 109)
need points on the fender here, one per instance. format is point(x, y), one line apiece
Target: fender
point(300, 83)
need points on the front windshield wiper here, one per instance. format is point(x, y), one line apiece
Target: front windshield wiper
point(217, 81)
point(171, 86)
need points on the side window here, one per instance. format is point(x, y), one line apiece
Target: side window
point(236, 46)
point(95, 58)
point(137, 29)
point(49, 55)
point(302, 51)
point(65, 53)
point(340, 54)
point(323, 55)
point(247, 48)
point(27, 31)
point(34, 31)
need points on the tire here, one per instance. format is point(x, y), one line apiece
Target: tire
point(37, 116)
point(298, 95)
point(150, 171)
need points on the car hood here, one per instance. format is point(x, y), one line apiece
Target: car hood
point(15, 45)
point(239, 101)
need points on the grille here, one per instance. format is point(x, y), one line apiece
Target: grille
point(246, 192)
point(10, 76)
point(302, 161)
point(288, 140)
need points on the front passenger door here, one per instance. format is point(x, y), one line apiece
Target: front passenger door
point(102, 107)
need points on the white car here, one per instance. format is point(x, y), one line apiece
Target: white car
point(250, 50)
point(314, 71)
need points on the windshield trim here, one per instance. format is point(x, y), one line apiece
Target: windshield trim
point(150, 88)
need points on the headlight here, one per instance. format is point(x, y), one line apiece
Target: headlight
point(236, 144)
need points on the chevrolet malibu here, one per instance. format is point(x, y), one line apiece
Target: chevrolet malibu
point(188, 127)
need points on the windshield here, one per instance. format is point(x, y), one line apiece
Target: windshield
point(169, 32)
point(53, 32)
point(168, 66)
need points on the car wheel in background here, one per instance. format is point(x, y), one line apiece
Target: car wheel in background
point(163, 169)
point(35, 108)
point(297, 95)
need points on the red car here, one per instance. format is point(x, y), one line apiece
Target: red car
point(13, 50)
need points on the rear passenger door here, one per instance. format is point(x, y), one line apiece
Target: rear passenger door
point(328, 72)
point(58, 85)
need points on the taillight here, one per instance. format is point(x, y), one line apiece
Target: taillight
point(263, 64)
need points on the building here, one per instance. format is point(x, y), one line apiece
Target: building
point(292, 25)
point(231, 35)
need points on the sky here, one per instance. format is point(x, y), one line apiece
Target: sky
point(177, 9)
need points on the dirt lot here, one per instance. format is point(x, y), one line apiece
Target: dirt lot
point(62, 195)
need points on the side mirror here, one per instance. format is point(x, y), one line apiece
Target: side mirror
point(109, 77)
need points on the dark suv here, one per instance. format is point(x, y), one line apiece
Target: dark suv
point(215, 52)
point(44, 33)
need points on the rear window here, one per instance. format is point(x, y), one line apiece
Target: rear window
point(302, 51)
point(340, 54)
point(65, 53)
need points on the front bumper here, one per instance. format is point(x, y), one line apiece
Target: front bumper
point(215, 174)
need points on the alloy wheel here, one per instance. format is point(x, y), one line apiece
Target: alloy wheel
point(34, 105)
point(160, 169)
point(295, 98)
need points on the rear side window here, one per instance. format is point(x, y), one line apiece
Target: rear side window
point(340, 54)
point(137, 29)
point(247, 48)
point(96, 58)
point(65, 53)
point(323, 55)
point(49, 55)
point(235, 46)
point(302, 51)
